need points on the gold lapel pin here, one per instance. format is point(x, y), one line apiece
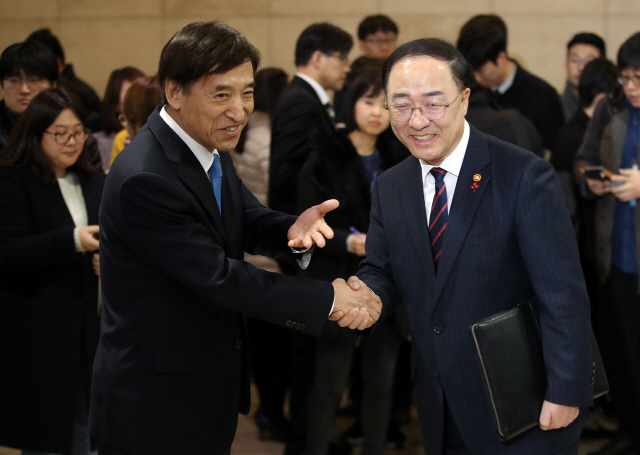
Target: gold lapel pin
point(477, 178)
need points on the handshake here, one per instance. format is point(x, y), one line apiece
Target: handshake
point(356, 306)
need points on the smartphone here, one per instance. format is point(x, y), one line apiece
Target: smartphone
point(597, 173)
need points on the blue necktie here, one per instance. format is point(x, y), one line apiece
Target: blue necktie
point(439, 214)
point(215, 173)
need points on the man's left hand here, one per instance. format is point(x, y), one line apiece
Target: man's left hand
point(310, 227)
point(554, 416)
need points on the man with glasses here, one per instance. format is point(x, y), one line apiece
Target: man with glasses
point(377, 36)
point(467, 227)
point(613, 140)
point(304, 107)
point(26, 69)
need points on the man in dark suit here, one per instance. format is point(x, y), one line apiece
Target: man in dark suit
point(483, 42)
point(304, 106)
point(171, 370)
point(467, 227)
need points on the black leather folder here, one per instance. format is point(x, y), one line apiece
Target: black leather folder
point(509, 350)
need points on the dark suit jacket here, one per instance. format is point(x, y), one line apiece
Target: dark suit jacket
point(505, 242)
point(507, 124)
point(171, 371)
point(299, 113)
point(48, 311)
point(536, 100)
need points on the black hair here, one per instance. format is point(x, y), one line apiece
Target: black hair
point(598, 76)
point(269, 85)
point(110, 109)
point(48, 39)
point(590, 39)
point(323, 37)
point(203, 48)
point(24, 147)
point(370, 25)
point(366, 84)
point(31, 58)
point(434, 48)
point(629, 53)
point(482, 39)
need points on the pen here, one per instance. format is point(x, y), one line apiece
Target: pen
point(356, 232)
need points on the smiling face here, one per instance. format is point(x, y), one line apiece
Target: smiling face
point(415, 81)
point(62, 156)
point(216, 108)
point(371, 116)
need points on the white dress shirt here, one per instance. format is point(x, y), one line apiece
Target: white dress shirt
point(321, 92)
point(452, 165)
point(74, 200)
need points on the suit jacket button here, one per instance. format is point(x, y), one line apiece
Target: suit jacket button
point(302, 326)
point(438, 329)
point(238, 344)
point(298, 326)
point(289, 323)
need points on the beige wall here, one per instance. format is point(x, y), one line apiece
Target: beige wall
point(101, 35)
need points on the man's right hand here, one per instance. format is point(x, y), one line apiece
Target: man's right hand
point(355, 305)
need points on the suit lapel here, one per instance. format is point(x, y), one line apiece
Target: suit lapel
point(464, 205)
point(411, 193)
point(189, 169)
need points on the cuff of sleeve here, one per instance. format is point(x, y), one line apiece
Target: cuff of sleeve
point(76, 241)
point(303, 256)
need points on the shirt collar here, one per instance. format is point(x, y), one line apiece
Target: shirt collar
point(321, 92)
point(506, 85)
point(453, 162)
point(204, 156)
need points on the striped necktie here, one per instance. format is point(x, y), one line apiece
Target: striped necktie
point(439, 214)
point(215, 174)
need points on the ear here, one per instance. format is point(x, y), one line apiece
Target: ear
point(465, 99)
point(316, 59)
point(363, 45)
point(54, 84)
point(502, 58)
point(173, 94)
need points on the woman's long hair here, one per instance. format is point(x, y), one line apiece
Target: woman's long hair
point(24, 147)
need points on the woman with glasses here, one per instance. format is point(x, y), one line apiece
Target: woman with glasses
point(343, 167)
point(48, 279)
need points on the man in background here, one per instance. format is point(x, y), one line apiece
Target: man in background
point(582, 48)
point(483, 42)
point(26, 69)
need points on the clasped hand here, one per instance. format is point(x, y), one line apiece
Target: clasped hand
point(356, 306)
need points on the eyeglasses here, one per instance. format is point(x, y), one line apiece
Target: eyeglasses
point(430, 111)
point(380, 40)
point(342, 57)
point(633, 78)
point(63, 138)
point(31, 81)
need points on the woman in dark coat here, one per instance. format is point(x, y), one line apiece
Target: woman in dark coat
point(343, 166)
point(48, 279)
